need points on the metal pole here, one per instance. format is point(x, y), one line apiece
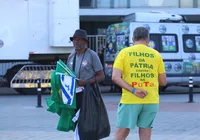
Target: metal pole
point(96, 44)
point(190, 90)
point(39, 94)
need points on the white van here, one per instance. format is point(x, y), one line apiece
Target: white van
point(154, 16)
point(178, 43)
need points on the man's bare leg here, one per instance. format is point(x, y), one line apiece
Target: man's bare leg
point(121, 133)
point(145, 133)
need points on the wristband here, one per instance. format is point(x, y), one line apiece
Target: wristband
point(133, 90)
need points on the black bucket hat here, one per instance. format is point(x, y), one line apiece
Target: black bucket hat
point(80, 34)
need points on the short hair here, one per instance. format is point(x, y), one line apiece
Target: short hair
point(141, 33)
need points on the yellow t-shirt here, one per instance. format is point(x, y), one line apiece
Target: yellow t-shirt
point(140, 66)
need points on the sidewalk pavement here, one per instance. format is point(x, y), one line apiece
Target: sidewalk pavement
point(21, 120)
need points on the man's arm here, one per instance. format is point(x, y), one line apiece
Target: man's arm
point(98, 68)
point(99, 76)
point(116, 77)
point(161, 73)
point(162, 79)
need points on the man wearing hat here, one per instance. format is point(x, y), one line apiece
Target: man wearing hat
point(85, 62)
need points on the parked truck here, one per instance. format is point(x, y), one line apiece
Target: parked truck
point(34, 34)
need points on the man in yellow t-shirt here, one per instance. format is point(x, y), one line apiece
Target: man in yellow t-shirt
point(138, 70)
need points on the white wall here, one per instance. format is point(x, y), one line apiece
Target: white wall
point(32, 26)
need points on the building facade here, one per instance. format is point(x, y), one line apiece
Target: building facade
point(96, 15)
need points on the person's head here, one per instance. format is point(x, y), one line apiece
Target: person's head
point(79, 39)
point(141, 36)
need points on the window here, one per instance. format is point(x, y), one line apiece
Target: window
point(121, 42)
point(85, 3)
point(191, 43)
point(120, 3)
point(186, 3)
point(103, 3)
point(197, 43)
point(169, 43)
point(165, 43)
point(154, 41)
